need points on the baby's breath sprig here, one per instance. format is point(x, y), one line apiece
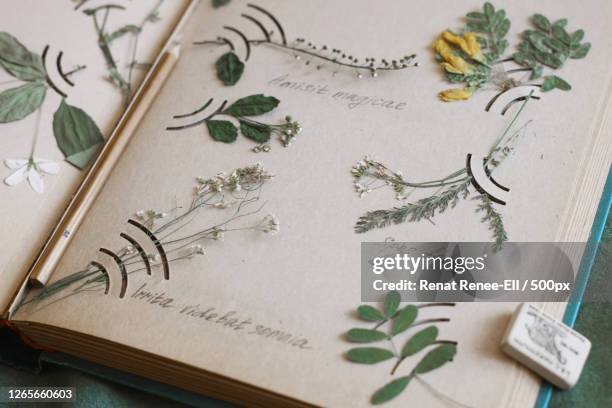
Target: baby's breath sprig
point(234, 196)
point(230, 67)
point(106, 38)
point(474, 56)
point(401, 321)
point(369, 175)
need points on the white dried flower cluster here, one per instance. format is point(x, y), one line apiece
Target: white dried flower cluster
point(369, 171)
point(269, 225)
point(247, 178)
point(149, 217)
point(288, 131)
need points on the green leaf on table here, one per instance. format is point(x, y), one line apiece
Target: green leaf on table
point(577, 36)
point(253, 105)
point(365, 335)
point(419, 341)
point(219, 3)
point(560, 34)
point(258, 132)
point(488, 9)
point(392, 302)
point(370, 313)
point(560, 23)
point(554, 82)
point(391, 390)
point(581, 51)
point(404, 319)
point(436, 358)
point(222, 130)
point(541, 22)
point(76, 134)
point(17, 103)
point(229, 68)
point(18, 61)
point(369, 355)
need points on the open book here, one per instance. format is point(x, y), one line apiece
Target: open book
point(222, 254)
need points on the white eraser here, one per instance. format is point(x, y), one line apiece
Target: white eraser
point(545, 345)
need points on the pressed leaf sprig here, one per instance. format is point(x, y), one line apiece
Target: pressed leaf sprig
point(400, 321)
point(76, 134)
point(474, 57)
point(230, 66)
point(234, 196)
point(243, 111)
point(121, 78)
point(369, 175)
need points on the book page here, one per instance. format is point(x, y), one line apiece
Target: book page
point(28, 215)
point(272, 310)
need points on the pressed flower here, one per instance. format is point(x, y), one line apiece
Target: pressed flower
point(30, 169)
point(468, 44)
point(452, 62)
point(457, 94)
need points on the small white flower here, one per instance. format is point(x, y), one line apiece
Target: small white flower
point(31, 169)
point(269, 225)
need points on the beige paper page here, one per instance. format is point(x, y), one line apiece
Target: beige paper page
point(305, 280)
point(27, 217)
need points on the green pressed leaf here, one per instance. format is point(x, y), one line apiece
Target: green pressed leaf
point(253, 105)
point(477, 26)
point(76, 134)
point(370, 313)
point(392, 302)
point(581, 51)
point(18, 61)
point(488, 9)
point(503, 28)
point(474, 15)
point(436, 358)
point(577, 36)
point(404, 319)
point(365, 335)
point(229, 68)
point(391, 390)
point(560, 23)
point(258, 132)
point(219, 3)
point(556, 45)
point(560, 34)
point(130, 28)
point(551, 60)
point(541, 22)
point(554, 82)
point(536, 72)
point(222, 130)
point(419, 341)
point(17, 103)
point(369, 355)
point(537, 40)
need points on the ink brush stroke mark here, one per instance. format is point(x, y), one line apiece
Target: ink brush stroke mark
point(247, 44)
point(140, 250)
point(104, 273)
point(124, 278)
point(58, 63)
point(477, 185)
point(258, 24)
point(47, 77)
point(201, 121)
point(490, 176)
point(158, 246)
point(274, 20)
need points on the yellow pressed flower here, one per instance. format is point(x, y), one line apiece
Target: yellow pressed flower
point(456, 40)
point(441, 47)
point(457, 94)
point(473, 45)
point(468, 43)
